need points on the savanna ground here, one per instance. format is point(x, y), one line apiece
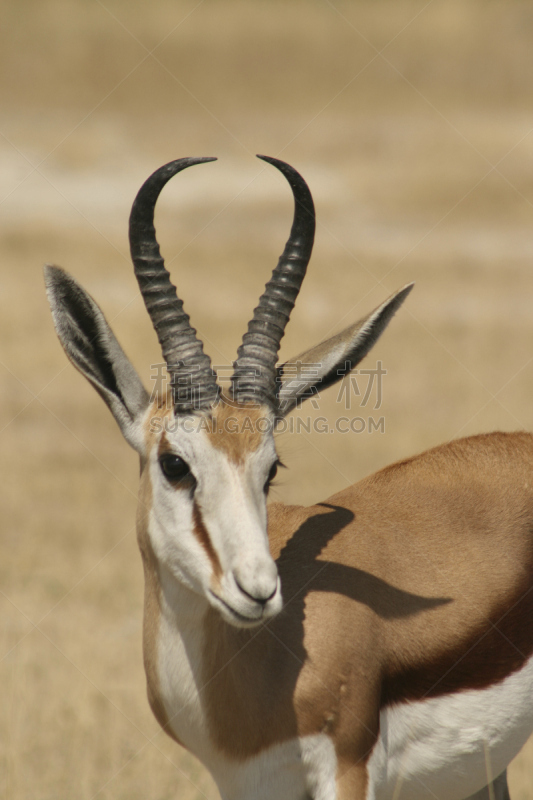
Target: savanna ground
point(411, 122)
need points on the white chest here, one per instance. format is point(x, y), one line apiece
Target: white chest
point(450, 747)
point(180, 689)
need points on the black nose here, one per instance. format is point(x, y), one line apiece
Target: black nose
point(261, 600)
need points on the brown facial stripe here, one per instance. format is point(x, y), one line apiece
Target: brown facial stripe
point(199, 528)
point(489, 655)
point(203, 537)
point(238, 430)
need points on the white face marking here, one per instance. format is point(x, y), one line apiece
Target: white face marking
point(230, 503)
point(449, 747)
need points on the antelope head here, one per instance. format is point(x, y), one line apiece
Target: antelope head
point(207, 459)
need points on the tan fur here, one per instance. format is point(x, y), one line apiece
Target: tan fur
point(401, 587)
point(236, 429)
point(425, 569)
point(199, 528)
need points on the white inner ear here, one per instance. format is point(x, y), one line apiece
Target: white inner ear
point(353, 343)
point(296, 383)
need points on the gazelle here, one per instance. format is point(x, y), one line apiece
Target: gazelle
point(375, 645)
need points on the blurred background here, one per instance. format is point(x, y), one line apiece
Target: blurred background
point(411, 121)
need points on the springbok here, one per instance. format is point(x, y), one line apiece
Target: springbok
point(375, 645)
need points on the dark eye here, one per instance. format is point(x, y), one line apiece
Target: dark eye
point(271, 475)
point(174, 468)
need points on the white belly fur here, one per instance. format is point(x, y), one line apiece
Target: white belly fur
point(450, 747)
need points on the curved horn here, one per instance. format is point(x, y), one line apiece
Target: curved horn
point(254, 377)
point(193, 381)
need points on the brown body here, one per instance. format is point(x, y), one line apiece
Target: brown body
point(413, 583)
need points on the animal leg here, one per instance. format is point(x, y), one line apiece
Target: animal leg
point(497, 790)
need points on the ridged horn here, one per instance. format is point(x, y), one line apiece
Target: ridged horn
point(254, 376)
point(192, 379)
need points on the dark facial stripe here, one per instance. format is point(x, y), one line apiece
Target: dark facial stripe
point(203, 537)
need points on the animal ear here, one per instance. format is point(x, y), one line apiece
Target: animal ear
point(92, 347)
point(330, 361)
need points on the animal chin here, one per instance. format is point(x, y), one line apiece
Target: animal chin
point(235, 617)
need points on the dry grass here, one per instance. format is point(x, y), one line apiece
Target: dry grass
point(420, 160)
